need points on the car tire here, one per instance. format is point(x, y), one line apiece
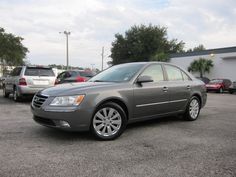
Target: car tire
point(231, 91)
point(193, 109)
point(16, 95)
point(5, 93)
point(109, 121)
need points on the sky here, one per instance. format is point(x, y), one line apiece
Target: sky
point(93, 24)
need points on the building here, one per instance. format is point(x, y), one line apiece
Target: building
point(224, 60)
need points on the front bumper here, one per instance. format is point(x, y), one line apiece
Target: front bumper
point(78, 118)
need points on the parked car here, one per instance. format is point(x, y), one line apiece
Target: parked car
point(232, 87)
point(27, 80)
point(120, 95)
point(204, 79)
point(74, 76)
point(218, 85)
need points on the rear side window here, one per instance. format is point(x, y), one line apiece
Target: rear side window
point(48, 72)
point(185, 76)
point(173, 73)
point(155, 72)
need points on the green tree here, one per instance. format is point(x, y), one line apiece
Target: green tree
point(196, 49)
point(144, 43)
point(201, 65)
point(12, 51)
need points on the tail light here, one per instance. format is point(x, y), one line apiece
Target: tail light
point(22, 81)
point(80, 79)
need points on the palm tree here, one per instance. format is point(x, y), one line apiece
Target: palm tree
point(201, 65)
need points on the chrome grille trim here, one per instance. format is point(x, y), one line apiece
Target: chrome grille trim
point(38, 100)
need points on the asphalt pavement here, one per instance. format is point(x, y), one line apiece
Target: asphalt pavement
point(166, 147)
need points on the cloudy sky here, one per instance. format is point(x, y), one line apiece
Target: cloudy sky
point(93, 24)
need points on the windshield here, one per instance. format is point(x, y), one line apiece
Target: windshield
point(216, 81)
point(118, 73)
point(82, 73)
point(86, 74)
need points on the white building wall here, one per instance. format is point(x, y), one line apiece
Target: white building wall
point(224, 65)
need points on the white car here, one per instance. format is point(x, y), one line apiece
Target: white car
point(27, 80)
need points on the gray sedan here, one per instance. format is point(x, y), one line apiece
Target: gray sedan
point(120, 95)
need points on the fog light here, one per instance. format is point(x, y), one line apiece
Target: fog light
point(64, 124)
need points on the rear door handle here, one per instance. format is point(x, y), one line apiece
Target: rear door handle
point(188, 87)
point(165, 89)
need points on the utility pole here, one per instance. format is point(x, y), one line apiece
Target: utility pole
point(102, 56)
point(67, 33)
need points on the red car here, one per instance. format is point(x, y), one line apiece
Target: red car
point(74, 76)
point(218, 85)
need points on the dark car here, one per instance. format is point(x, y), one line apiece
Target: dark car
point(74, 76)
point(232, 87)
point(204, 79)
point(120, 95)
point(218, 85)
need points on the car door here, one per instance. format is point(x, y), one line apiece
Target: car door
point(179, 86)
point(151, 98)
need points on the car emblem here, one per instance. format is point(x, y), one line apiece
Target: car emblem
point(36, 99)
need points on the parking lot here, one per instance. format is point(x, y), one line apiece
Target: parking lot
point(162, 147)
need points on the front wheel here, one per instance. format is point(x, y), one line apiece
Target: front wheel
point(193, 109)
point(109, 121)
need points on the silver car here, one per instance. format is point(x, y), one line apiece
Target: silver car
point(28, 80)
point(120, 95)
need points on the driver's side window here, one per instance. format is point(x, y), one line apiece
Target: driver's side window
point(155, 72)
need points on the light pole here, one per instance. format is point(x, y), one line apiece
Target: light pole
point(67, 33)
point(102, 54)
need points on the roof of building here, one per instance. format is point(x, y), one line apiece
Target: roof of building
point(205, 52)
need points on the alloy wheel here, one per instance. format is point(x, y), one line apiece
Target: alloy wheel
point(107, 122)
point(194, 108)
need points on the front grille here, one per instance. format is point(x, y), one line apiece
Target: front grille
point(44, 121)
point(39, 100)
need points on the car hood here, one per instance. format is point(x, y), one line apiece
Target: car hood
point(75, 88)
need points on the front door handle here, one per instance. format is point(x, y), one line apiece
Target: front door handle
point(165, 89)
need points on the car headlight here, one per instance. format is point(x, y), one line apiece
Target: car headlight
point(67, 100)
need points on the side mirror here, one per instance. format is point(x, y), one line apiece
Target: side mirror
point(143, 79)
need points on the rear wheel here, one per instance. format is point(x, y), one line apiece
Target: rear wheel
point(231, 91)
point(16, 95)
point(5, 93)
point(193, 109)
point(109, 121)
